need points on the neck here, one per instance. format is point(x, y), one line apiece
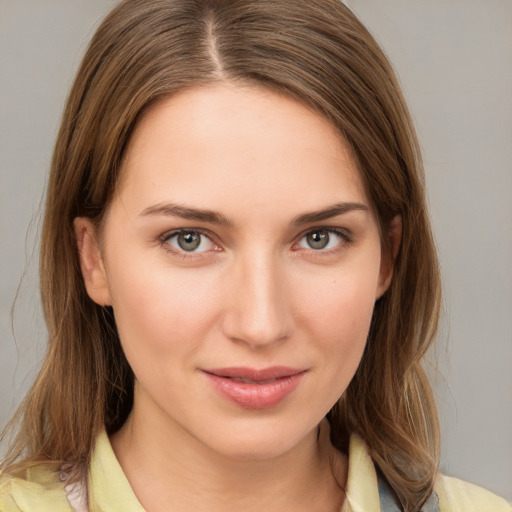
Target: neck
point(169, 469)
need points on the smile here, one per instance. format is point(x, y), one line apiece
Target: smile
point(255, 389)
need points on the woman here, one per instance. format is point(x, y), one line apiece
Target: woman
point(237, 273)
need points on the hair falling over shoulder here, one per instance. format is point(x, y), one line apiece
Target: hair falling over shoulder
point(317, 52)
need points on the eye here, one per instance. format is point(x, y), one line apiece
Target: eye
point(323, 239)
point(189, 241)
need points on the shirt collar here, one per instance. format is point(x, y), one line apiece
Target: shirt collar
point(109, 488)
point(362, 493)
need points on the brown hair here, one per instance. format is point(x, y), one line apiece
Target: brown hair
point(317, 52)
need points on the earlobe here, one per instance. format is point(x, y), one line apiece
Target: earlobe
point(91, 262)
point(388, 261)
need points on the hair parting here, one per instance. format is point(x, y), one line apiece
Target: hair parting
point(317, 52)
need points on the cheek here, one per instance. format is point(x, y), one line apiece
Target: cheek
point(342, 320)
point(160, 311)
point(337, 315)
point(341, 301)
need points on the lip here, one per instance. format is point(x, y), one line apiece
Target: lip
point(255, 388)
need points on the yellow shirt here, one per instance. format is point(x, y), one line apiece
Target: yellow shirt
point(109, 490)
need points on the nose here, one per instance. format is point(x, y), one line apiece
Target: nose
point(259, 313)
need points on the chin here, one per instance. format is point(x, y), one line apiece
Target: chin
point(250, 451)
point(260, 442)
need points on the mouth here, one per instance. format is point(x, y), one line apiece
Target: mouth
point(250, 381)
point(255, 388)
point(255, 376)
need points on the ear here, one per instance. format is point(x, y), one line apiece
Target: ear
point(387, 264)
point(91, 262)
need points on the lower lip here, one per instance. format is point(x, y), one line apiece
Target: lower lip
point(254, 395)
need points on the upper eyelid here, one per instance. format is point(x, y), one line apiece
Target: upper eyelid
point(347, 239)
point(165, 237)
point(332, 229)
point(343, 232)
point(166, 245)
point(172, 232)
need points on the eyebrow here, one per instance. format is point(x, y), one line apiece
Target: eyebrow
point(212, 217)
point(174, 210)
point(329, 212)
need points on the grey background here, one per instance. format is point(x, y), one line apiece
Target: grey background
point(454, 60)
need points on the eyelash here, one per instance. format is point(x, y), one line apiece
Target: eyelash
point(346, 240)
point(166, 237)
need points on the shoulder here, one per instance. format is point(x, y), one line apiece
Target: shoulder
point(38, 490)
point(458, 496)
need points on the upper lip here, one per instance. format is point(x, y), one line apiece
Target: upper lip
point(253, 374)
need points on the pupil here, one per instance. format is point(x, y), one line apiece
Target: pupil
point(318, 239)
point(189, 241)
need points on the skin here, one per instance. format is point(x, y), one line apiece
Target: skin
point(255, 293)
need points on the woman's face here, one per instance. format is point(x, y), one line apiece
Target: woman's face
point(242, 260)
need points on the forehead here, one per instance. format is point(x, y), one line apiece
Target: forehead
point(223, 144)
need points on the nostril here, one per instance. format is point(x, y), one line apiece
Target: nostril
point(258, 327)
